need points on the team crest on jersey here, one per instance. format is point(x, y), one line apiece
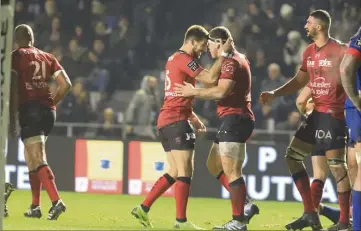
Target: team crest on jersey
point(193, 65)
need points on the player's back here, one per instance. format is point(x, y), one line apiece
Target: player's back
point(238, 101)
point(34, 69)
point(355, 50)
point(323, 67)
point(180, 67)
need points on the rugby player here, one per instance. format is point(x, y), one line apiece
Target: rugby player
point(233, 92)
point(323, 133)
point(32, 69)
point(351, 76)
point(174, 123)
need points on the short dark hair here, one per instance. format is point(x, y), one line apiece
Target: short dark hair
point(220, 33)
point(197, 33)
point(323, 16)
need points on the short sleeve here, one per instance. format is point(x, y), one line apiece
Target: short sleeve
point(56, 68)
point(304, 61)
point(191, 67)
point(229, 67)
point(355, 46)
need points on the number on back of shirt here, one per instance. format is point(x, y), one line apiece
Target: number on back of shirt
point(167, 82)
point(39, 70)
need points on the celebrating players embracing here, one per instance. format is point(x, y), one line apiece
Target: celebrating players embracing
point(351, 81)
point(233, 93)
point(32, 69)
point(174, 124)
point(324, 132)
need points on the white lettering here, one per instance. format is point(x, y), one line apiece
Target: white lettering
point(266, 155)
point(265, 187)
point(281, 182)
point(324, 63)
point(320, 134)
point(23, 178)
point(8, 170)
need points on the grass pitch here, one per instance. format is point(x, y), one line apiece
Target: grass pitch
point(112, 212)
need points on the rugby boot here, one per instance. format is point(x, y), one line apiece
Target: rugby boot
point(34, 211)
point(56, 210)
point(250, 210)
point(141, 216)
point(338, 227)
point(186, 226)
point(232, 225)
point(306, 220)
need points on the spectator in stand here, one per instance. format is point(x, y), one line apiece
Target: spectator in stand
point(141, 115)
point(107, 130)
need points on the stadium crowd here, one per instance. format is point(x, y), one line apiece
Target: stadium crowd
point(111, 47)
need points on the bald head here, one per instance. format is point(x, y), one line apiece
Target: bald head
point(24, 35)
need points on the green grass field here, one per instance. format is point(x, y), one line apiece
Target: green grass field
point(112, 212)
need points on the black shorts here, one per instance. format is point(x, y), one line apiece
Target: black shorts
point(36, 119)
point(323, 131)
point(177, 136)
point(234, 128)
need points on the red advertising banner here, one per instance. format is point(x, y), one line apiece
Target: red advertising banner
point(147, 162)
point(99, 166)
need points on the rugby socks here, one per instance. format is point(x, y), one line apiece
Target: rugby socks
point(331, 213)
point(344, 202)
point(302, 182)
point(35, 188)
point(238, 198)
point(182, 190)
point(316, 192)
point(356, 210)
point(160, 187)
point(47, 178)
point(223, 180)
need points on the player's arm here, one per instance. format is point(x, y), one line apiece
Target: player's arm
point(210, 77)
point(293, 85)
point(303, 99)
point(64, 85)
point(218, 92)
point(197, 123)
point(351, 62)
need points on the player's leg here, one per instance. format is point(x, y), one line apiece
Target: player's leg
point(34, 210)
point(232, 150)
point(161, 185)
point(356, 192)
point(337, 164)
point(320, 173)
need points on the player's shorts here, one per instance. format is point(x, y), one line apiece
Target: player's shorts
point(177, 136)
point(235, 128)
point(323, 131)
point(36, 119)
point(353, 122)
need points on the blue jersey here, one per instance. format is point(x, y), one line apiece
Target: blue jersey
point(355, 50)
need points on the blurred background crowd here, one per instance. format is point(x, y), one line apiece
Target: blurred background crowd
point(114, 51)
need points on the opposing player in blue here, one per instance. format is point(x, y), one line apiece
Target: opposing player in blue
point(351, 80)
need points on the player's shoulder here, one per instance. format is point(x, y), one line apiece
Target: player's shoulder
point(181, 58)
point(310, 47)
point(355, 41)
point(339, 43)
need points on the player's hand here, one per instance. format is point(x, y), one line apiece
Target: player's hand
point(185, 90)
point(199, 126)
point(228, 46)
point(266, 97)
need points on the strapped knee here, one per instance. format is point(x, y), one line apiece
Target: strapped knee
point(337, 166)
point(295, 154)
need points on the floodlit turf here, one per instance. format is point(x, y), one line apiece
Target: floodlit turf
point(112, 212)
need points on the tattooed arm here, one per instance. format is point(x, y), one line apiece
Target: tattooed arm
point(348, 69)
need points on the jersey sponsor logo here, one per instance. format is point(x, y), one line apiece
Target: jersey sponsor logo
point(310, 63)
point(324, 63)
point(193, 65)
point(321, 134)
point(320, 87)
